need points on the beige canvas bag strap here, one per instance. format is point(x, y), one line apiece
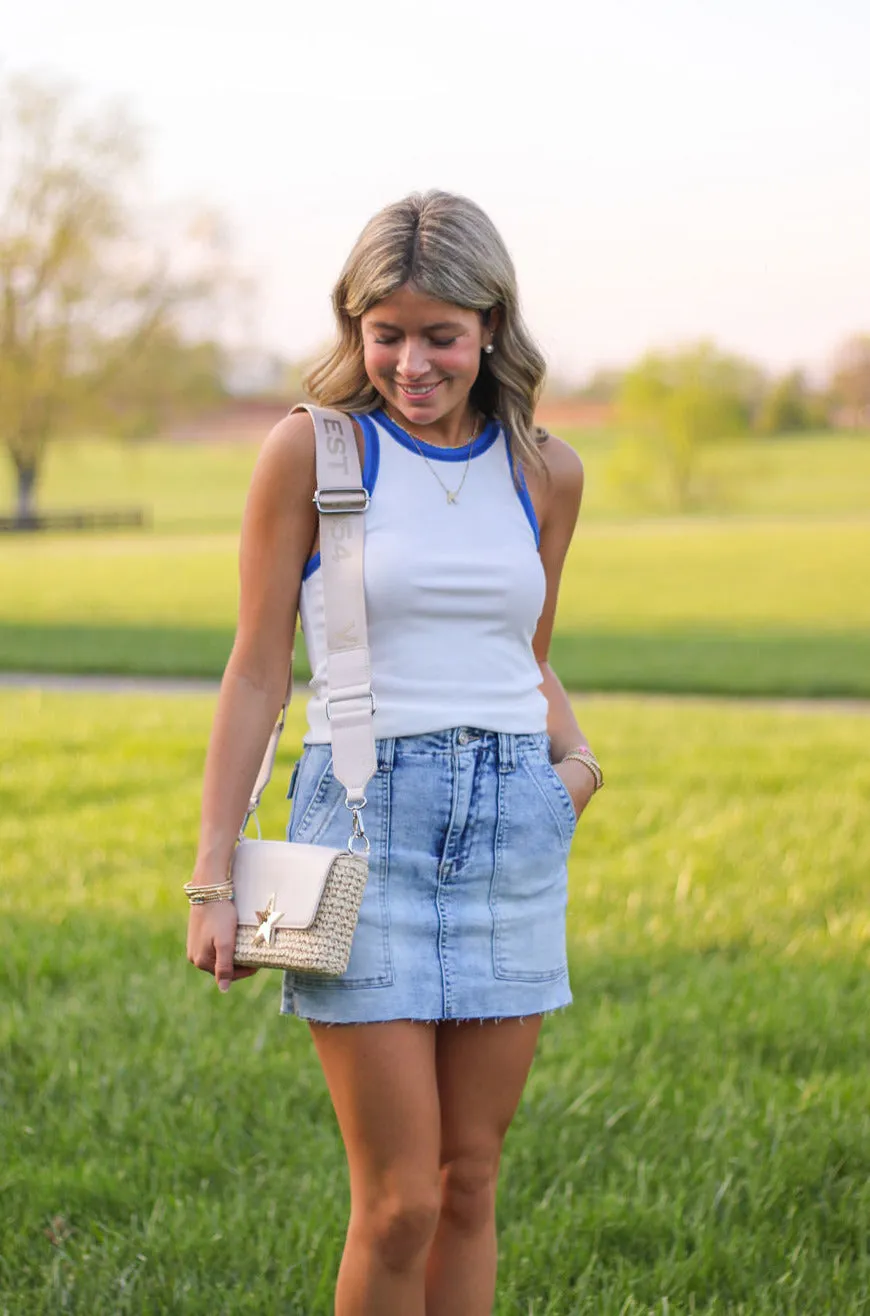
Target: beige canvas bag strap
point(341, 501)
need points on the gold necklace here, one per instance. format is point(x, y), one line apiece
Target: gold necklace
point(452, 494)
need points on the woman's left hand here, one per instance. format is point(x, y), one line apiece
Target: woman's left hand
point(578, 782)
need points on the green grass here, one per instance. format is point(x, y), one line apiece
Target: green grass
point(694, 1137)
point(200, 487)
point(767, 597)
point(728, 607)
point(718, 606)
point(188, 487)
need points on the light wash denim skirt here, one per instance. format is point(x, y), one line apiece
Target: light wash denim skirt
point(463, 915)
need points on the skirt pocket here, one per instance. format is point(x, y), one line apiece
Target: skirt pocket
point(529, 891)
point(317, 796)
point(552, 789)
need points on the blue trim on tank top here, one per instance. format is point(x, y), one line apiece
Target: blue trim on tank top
point(371, 466)
point(523, 495)
point(482, 443)
point(372, 452)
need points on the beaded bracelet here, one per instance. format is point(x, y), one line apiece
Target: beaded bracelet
point(588, 759)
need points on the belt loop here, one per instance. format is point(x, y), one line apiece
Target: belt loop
point(507, 752)
point(386, 751)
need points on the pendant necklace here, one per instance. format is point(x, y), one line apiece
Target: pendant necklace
point(452, 494)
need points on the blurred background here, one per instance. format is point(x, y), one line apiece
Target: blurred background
point(685, 194)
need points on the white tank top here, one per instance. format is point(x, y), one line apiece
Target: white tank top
point(454, 590)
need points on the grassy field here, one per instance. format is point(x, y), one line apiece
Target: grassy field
point(768, 596)
point(695, 1135)
point(199, 488)
point(748, 607)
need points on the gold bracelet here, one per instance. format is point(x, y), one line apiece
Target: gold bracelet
point(586, 757)
point(199, 893)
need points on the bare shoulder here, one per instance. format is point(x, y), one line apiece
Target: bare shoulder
point(289, 443)
point(557, 487)
point(562, 462)
point(286, 464)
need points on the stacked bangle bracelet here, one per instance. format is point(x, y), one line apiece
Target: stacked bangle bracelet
point(203, 894)
point(584, 755)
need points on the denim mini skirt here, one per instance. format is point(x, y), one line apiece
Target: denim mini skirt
point(463, 915)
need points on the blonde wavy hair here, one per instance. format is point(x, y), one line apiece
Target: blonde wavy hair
point(447, 249)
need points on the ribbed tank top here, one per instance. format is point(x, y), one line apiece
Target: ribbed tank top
point(453, 590)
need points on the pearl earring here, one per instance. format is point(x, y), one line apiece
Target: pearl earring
point(489, 349)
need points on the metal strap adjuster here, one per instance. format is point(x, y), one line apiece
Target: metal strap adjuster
point(336, 502)
point(371, 696)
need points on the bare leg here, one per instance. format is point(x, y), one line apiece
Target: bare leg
point(482, 1070)
point(382, 1081)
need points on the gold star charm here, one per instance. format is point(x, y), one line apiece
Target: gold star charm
point(268, 918)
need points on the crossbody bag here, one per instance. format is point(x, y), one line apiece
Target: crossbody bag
point(298, 905)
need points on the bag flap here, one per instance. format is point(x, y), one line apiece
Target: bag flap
point(289, 875)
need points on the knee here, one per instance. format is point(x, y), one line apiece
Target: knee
point(401, 1225)
point(468, 1191)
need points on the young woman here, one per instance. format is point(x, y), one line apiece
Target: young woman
point(482, 769)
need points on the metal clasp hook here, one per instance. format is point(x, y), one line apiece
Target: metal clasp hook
point(359, 832)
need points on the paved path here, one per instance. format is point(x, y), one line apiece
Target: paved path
point(107, 685)
point(151, 685)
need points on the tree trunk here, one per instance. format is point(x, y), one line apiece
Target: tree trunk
point(25, 507)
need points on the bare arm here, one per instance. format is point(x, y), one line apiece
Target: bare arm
point(558, 502)
point(278, 531)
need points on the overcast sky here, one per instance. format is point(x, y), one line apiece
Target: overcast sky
point(660, 169)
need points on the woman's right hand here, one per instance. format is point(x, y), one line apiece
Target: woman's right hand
point(211, 940)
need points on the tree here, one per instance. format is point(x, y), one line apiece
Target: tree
point(87, 292)
point(165, 378)
point(850, 383)
point(670, 408)
point(790, 406)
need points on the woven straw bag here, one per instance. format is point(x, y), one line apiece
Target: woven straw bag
point(314, 936)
